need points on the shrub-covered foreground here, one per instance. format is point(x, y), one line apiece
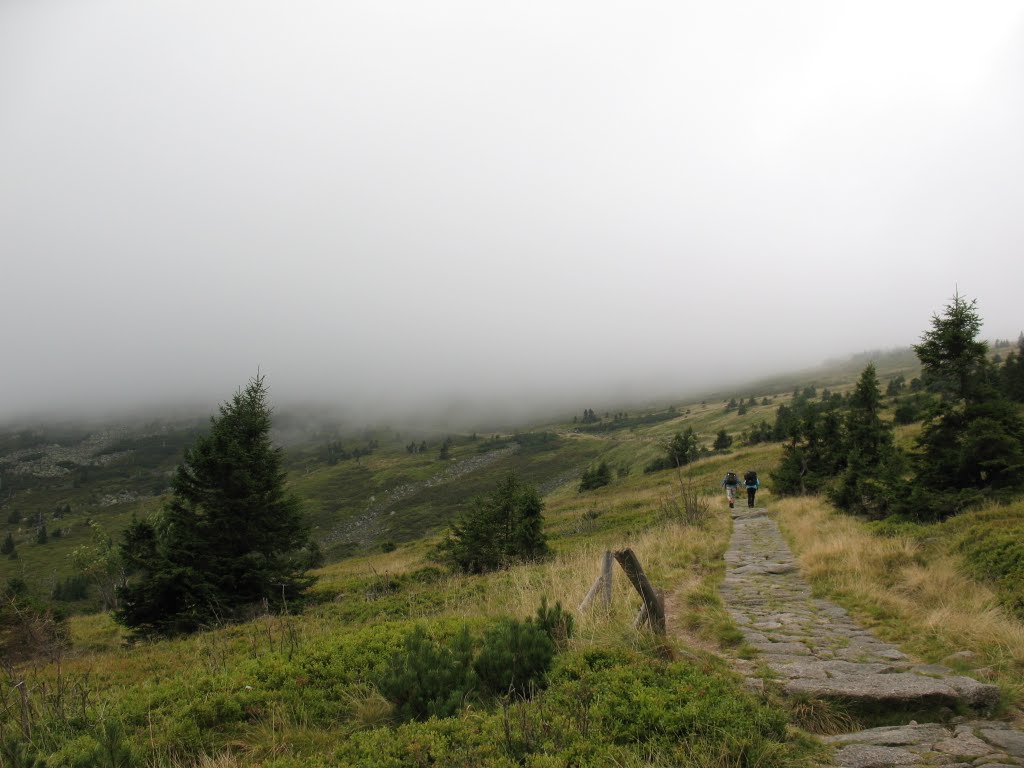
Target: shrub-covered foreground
point(320, 705)
point(601, 708)
point(314, 689)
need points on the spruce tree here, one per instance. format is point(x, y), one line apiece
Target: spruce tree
point(596, 477)
point(683, 448)
point(869, 480)
point(816, 449)
point(504, 527)
point(972, 443)
point(1012, 373)
point(951, 356)
point(231, 536)
point(722, 440)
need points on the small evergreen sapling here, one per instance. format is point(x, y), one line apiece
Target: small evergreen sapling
point(556, 622)
point(514, 657)
point(427, 679)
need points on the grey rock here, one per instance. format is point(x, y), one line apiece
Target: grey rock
point(868, 756)
point(980, 696)
point(964, 745)
point(1009, 741)
point(893, 735)
point(797, 649)
point(891, 653)
point(899, 688)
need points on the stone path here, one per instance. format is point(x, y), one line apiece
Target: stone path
point(814, 648)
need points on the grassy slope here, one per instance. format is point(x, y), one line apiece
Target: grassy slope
point(333, 495)
point(298, 689)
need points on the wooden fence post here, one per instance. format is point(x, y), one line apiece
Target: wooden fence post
point(604, 580)
point(652, 601)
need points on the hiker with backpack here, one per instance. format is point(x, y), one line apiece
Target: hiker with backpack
point(731, 483)
point(750, 480)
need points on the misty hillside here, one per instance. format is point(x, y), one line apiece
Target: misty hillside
point(362, 489)
point(401, 384)
point(412, 647)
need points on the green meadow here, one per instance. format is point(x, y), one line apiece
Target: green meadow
point(307, 686)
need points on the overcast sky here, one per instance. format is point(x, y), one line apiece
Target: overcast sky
point(384, 201)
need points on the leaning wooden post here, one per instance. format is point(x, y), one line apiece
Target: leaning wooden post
point(606, 574)
point(635, 574)
point(604, 580)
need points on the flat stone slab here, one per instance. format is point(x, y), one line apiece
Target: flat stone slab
point(794, 649)
point(893, 736)
point(901, 688)
point(867, 756)
point(1010, 741)
point(973, 744)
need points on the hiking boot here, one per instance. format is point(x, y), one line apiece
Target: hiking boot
point(732, 504)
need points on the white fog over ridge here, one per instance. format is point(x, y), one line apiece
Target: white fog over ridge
point(387, 205)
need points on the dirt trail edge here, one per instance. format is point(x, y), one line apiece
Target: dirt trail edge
point(813, 648)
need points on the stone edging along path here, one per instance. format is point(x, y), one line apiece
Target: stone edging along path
point(814, 648)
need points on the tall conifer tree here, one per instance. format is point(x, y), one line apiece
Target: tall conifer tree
point(972, 443)
point(231, 536)
point(868, 482)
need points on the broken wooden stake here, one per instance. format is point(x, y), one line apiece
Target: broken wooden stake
point(652, 601)
point(604, 580)
point(653, 610)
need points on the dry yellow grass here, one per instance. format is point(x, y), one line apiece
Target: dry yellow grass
point(911, 593)
point(674, 556)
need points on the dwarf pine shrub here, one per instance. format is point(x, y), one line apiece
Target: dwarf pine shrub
point(427, 679)
point(557, 623)
point(515, 657)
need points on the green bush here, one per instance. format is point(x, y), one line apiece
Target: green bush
point(681, 449)
point(557, 623)
point(504, 527)
point(596, 477)
point(993, 549)
point(515, 657)
point(16, 753)
point(72, 588)
point(108, 748)
point(427, 679)
point(603, 707)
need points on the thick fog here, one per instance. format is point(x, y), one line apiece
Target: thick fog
point(381, 203)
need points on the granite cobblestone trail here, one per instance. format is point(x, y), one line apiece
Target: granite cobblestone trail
point(814, 648)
